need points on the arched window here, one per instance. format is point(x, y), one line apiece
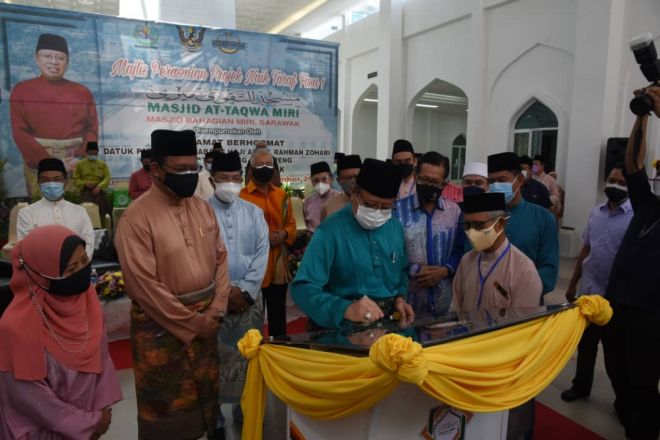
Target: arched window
point(535, 133)
point(457, 156)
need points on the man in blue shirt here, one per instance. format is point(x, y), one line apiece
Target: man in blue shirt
point(245, 233)
point(607, 225)
point(355, 267)
point(530, 228)
point(433, 228)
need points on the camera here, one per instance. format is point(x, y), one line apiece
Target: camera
point(647, 58)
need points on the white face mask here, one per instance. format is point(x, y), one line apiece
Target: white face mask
point(228, 191)
point(524, 173)
point(372, 218)
point(322, 188)
point(485, 238)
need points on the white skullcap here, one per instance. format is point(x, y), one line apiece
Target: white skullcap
point(476, 169)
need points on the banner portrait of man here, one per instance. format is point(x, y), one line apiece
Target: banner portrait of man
point(50, 115)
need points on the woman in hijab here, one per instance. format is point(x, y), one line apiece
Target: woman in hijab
point(57, 380)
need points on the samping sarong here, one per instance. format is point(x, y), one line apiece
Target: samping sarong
point(176, 386)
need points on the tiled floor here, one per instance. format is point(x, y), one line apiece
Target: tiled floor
point(595, 413)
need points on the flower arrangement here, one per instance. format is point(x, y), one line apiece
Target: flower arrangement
point(294, 189)
point(110, 286)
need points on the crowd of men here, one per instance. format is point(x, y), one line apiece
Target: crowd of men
point(204, 251)
point(201, 269)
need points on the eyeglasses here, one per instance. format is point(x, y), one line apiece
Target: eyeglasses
point(55, 58)
point(502, 179)
point(425, 181)
point(478, 225)
point(195, 169)
point(224, 179)
point(361, 201)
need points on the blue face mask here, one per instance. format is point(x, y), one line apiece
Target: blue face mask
point(505, 188)
point(92, 157)
point(52, 191)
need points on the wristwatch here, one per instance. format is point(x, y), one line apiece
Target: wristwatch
point(247, 297)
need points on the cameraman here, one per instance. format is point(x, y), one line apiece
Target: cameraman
point(631, 340)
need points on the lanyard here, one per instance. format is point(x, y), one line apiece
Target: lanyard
point(482, 279)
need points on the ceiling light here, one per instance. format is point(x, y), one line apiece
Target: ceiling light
point(370, 100)
point(298, 15)
point(426, 105)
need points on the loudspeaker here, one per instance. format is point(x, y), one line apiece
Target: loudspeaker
point(615, 152)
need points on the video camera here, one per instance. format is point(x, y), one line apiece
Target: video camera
point(647, 58)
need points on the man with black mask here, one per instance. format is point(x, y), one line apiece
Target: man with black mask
point(607, 224)
point(175, 267)
point(276, 205)
point(433, 228)
point(403, 156)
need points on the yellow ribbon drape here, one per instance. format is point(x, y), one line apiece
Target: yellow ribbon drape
point(491, 372)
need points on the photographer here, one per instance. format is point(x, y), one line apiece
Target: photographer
point(631, 340)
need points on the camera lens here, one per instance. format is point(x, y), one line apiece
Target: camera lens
point(641, 104)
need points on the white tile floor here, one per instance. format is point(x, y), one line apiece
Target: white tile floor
point(595, 413)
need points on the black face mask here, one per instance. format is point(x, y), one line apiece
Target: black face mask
point(72, 285)
point(183, 185)
point(428, 193)
point(616, 195)
point(146, 166)
point(406, 170)
point(263, 174)
point(472, 190)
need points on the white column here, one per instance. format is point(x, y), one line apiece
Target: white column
point(599, 34)
point(476, 150)
point(391, 96)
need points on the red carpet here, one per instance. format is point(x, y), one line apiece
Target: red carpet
point(120, 352)
point(550, 425)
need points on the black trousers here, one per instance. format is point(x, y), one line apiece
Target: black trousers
point(586, 359)
point(631, 342)
point(275, 301)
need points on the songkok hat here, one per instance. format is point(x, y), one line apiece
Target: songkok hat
point(93, 146)
point(145, 154)
point(52, 42)
point(217, 145)
point(526, 160)
point(485, 202)
point(173, 143)
point(319, 167)
point(379, 178)
point(51, 164)
point(476, 169)
point(503, 162)
point(208, 155)
point(339, 155)
point(226, 161)
point(539, 158)
point(348, 162)
point(402, 145)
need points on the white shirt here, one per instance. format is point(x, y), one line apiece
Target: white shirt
point(63, 213)
point(204, 188)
